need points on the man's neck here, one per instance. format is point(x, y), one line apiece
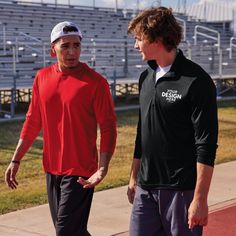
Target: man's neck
point(67, 69)
point(166, 58)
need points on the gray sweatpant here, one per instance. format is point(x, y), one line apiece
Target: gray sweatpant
point(161, 213)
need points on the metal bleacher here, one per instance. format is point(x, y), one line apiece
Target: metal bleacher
point(24, 43)
point(24, 47)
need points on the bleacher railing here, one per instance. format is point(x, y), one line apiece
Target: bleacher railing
point(37, 47)
point(12, 89)
point(232, 44)
point(183, 24)
point(185, 44)
point(198, 31)
point(3, 37)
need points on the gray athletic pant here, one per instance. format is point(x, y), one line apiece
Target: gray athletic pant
point(161, 213)
point(69, 205)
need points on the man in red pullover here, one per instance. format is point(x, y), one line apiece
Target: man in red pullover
point(69, 100)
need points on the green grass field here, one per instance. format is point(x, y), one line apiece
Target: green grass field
point(31, 190)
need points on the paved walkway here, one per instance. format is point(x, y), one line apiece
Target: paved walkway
point(111, 210)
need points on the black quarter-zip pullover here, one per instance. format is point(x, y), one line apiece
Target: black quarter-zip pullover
point(177, 125)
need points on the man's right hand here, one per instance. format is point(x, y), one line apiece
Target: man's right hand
point(133, 179)
point(131, 191)
point(10, 175)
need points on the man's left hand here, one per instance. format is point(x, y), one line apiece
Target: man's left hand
point(197, 214)
point(95, 179)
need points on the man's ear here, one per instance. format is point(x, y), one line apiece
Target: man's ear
point(52, 51)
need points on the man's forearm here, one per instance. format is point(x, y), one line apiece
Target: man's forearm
point(134, 169)
point(10, 174)
point(104, 162)
point(22, 147)
point(198, 209)
point(204, 176)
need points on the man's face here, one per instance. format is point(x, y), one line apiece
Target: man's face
point(67, 50)
point(147, 50)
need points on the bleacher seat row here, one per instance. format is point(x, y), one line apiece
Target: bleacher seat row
point(106, 46)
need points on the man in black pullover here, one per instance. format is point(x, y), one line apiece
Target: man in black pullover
point(177, 132)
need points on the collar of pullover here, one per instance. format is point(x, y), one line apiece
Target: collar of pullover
point(175, 66)
point(75, 71)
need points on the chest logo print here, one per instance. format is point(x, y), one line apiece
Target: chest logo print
point(171, 95)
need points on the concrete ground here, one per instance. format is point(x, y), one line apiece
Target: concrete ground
point(110, 209)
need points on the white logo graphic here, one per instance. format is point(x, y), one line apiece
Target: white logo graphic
point(171, 95)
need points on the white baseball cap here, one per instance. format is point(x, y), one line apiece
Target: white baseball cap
point(65, 28)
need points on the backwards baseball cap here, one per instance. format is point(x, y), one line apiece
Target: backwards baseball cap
point(65, 28)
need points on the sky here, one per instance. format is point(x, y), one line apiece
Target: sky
point(129, 4)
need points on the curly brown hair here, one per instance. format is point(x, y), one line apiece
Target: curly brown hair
point(157, 23)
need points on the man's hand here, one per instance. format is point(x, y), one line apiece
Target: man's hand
point(198, 209)
point(12, 169)
point(95, 179)
point(131, 191)
point(197, 214)
point(133, 180)
point(10, 175)
point(99, 175)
